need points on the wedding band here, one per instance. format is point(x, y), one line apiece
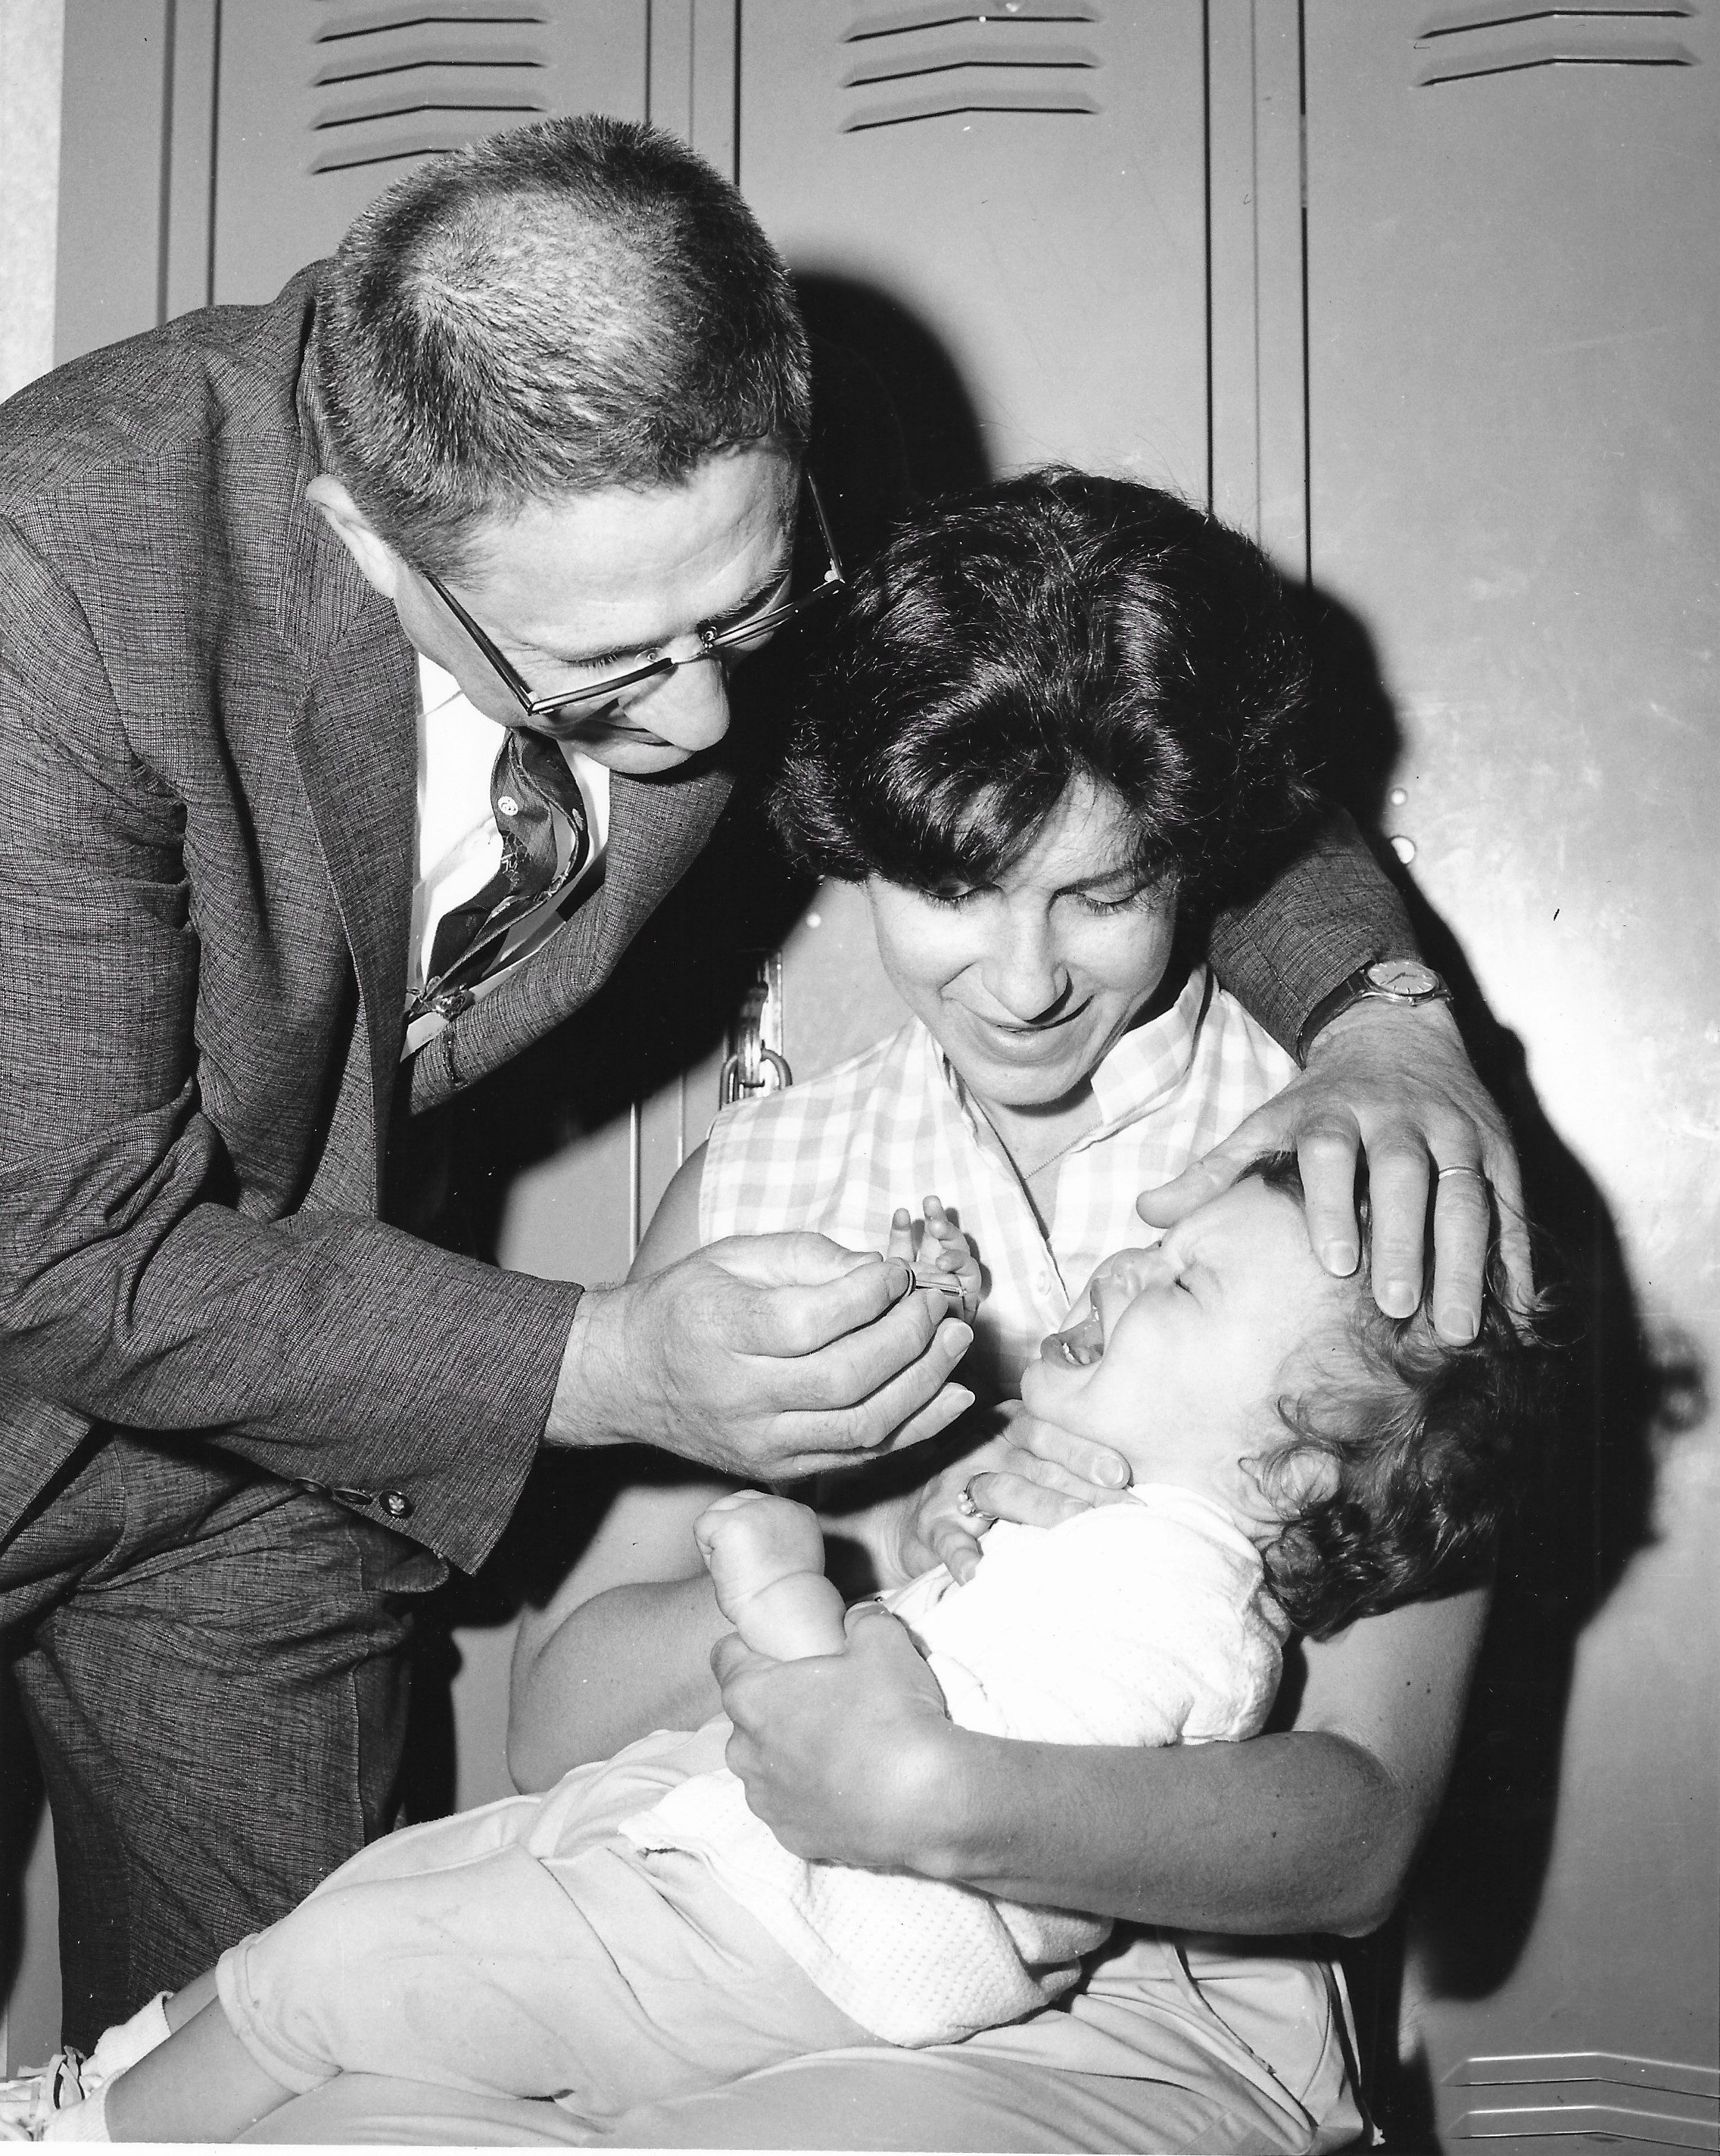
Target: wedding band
point(1479, 1174)
point(965, 1505)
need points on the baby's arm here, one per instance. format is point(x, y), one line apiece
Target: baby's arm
point(766, 1559)
point(944, 1258)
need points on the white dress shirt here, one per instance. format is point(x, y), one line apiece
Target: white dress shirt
point(459, 847)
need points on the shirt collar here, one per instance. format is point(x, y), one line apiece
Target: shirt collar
point(1151, 1060)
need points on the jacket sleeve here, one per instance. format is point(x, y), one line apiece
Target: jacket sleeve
point(134, 1290)
point(1329, 912)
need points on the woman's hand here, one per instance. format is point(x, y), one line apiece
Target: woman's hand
point(845, 1757)
point(1032, 1472)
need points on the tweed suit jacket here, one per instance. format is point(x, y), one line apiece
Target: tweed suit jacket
point(208, 770)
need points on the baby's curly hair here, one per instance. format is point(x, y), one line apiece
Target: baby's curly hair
point(1427, 1439)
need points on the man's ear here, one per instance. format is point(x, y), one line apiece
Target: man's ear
point(378, 564)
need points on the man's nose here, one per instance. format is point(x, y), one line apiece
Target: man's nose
point(689, 707)
point(1024, 972)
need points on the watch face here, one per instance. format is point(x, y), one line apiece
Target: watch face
point(1403, 977)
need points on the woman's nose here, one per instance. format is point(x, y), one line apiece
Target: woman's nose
point(1024, 972)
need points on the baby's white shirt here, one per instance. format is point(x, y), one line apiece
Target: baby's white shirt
point(1144, 1622)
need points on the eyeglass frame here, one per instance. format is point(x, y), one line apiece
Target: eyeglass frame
point(713, 642)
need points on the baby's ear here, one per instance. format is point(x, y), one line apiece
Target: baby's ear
point(1292, 1478)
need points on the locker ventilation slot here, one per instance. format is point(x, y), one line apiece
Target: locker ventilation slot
point(938, 62)
point(412, 83)
point(1465, 44)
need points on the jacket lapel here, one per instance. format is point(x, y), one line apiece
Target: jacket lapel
point(356, 743)
point(656, 827)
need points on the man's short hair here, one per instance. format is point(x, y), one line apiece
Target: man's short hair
point(1045, 628)
point(577, 305)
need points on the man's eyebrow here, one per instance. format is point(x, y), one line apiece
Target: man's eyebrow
point(620, 655)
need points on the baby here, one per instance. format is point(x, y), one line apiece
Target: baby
point(637, 1934)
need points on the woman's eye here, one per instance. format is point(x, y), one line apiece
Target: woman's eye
point(952, 894)
point(1129, 902)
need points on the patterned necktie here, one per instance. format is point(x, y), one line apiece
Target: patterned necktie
point(530, 787)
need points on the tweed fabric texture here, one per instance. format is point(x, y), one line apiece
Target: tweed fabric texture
point(208, 1663)
point(839, 1152)
point(1328, 912)
point(207, 737)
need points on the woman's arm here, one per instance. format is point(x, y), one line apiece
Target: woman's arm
point(852, 1758)
point(624, 1646)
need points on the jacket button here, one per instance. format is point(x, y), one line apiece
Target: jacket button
point(353, 1496)
point(395, 1506)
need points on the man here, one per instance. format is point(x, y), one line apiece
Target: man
point(521, 474)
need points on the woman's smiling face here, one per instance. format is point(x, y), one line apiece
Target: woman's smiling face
point(1029, 980)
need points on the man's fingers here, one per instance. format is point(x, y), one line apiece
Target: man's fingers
point(1325, 1154)
point(921, 1394)
point(945, 1407)
point(1267, 1130)
point(1516, 1255)
point(1398, 1175)
point(1206, 1179)
point(912, 1347)
point(868, 1315)
point(1462, 1227)
point(797, 1257)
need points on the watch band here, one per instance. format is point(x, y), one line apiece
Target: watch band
point(1405, 982)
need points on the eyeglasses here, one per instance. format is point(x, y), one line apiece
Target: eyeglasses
point(713, 643)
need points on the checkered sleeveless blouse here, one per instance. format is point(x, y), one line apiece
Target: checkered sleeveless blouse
point(839, 1152)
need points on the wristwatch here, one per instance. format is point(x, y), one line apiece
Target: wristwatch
point(1405, 982)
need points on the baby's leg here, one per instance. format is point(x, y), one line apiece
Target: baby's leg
point(419, 1957)
point(201, 2085)
point(765, 1557)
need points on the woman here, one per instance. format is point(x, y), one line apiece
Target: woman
point(1057, 726)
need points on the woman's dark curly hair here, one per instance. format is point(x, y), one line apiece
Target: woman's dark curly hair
point(1427, 1439)
point(1008, 641)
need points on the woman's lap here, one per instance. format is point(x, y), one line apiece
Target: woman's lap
point(1185, 2084)
point(858, 2101)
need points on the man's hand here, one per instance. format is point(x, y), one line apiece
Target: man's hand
point(845, 1756)
point(764, 1357)
point(1032, 1472)
point(1397, 1084)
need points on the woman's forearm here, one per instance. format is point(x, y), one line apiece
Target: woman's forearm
point(855, 1759)
point(1302, 1832)
point(631, 1660)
